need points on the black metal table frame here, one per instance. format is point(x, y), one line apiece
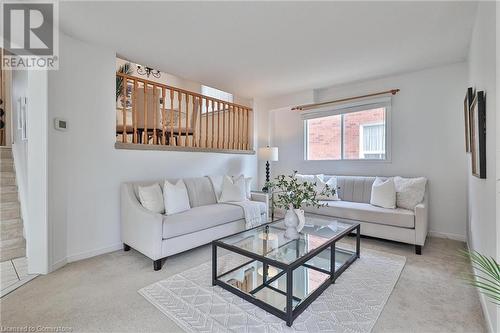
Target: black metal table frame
point(290, 314)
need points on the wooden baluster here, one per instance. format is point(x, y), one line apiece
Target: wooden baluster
point(179, 134)
point(234, 128)
point(163, 117)
point(238, 128)
point(145, 132)
point(224, 126)
point(187, 141)
point(171, 140)
point(206, 123)
point(218, 124)
point(134, 111)
point(155, 108)
point(124, 109)
point(247, 111)
point(200, 106)
point(213, 124)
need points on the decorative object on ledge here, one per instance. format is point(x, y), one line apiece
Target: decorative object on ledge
point(316, 105)
point(478, 135)
point(268, 154)
point(145, 70)
point(469, 97)
point(153, 113)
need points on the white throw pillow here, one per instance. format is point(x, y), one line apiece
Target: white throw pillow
point(332, 184)
point(176, 197)
point(217, 185)
point(248, 185)
point(151, 198)
point(383, 193)
point(233, 191)
point(308, 178)
point(409, 191)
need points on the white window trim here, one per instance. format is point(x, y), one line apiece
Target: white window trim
point(366, 104)
point(362, 152)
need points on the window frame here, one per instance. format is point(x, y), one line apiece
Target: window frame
point(342, 109)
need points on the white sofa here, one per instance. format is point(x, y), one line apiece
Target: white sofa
point(158, 236)
point(402, 225)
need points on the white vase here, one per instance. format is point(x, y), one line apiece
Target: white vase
point(294, 222)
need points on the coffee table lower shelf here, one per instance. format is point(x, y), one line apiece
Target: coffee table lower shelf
point(284, 292)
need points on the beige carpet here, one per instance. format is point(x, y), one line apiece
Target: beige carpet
point(100, 293)
point(351, 305)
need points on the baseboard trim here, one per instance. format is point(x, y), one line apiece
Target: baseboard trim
point(446, 235)
point(93, 253)
point(482, 300)
point(58, 264)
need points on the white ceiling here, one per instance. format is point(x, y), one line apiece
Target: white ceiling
point(257, 49)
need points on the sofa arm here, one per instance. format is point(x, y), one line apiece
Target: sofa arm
point(140, 228)
point(261, 197)
point(421, 222)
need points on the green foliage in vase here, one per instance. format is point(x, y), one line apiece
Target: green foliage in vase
point(290, 192)
point(125, 69)
point(488, 282)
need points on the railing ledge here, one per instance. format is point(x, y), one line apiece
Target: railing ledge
point(138, 146)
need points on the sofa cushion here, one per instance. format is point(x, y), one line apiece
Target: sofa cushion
point(354, 188)
point(200, 191)
point(202, 217)
point(365, 212)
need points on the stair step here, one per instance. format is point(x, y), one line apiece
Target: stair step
point(14, 248)
point(7, 166)
point(8, 189)
point(9, 210)
point(11, 229)
point(7, 174)
point(8, 197)
point(7, 181)
point(5, 153)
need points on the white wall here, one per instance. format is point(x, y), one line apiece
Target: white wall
point(482, 194)
point(30, 158)
point(427, 139)
point(85, 170)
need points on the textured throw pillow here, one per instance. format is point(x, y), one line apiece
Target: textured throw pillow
point(332, 184)
point(233, 191)
point(176, 197)
point(383, 193)
point(151, 198)
point(308, 178)
point(248, 184)
point(217, 185)
point(409, 191)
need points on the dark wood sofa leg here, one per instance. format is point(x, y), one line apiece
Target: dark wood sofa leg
point(157, 265)
point(126, 247)
point(418, 249)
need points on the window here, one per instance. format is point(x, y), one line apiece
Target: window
point(216, 93)
point(353, 132)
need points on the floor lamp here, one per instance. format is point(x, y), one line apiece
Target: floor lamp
point(268, 154)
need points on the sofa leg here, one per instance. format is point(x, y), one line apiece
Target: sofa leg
point(418, 249)
point(126, 247)
point(157, 265)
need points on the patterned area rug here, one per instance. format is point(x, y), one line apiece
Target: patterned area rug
point(352, 304)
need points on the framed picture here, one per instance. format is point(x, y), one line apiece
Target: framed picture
point(469, 96)
point(478, 135)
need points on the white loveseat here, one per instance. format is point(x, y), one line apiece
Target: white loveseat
point(402, 225)
point(158, 236)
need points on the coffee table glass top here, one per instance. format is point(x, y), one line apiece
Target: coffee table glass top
point(269, 240)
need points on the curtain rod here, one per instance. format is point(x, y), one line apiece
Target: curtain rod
point(309, 106)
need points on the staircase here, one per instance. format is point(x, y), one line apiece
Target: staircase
point(12, 243)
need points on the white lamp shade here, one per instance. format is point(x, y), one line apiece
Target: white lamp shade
point(268, 154)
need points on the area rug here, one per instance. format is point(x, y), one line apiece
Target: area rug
point(352, 304)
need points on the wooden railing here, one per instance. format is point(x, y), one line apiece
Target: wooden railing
point(151, 113)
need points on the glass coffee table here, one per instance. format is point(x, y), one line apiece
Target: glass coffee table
point(283, 276)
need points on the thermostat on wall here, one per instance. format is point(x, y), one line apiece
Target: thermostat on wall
point(61, 124)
